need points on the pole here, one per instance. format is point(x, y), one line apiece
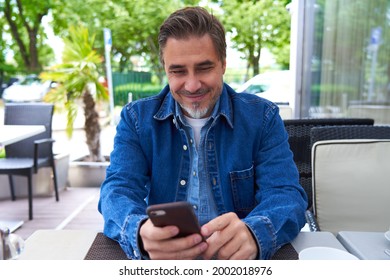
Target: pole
point(107, 49)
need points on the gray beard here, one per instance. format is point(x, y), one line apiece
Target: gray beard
point(195, 112)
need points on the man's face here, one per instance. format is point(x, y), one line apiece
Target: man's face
point(195, 74)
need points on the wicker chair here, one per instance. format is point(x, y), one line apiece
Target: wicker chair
point(25, 157)
point(320, 134)
point(300, 144)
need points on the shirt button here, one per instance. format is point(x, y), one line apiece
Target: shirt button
point(183, 182)
point(174, 121)
point(191, 141)
point(195, 207)
point(194, 173)
point(185, 147)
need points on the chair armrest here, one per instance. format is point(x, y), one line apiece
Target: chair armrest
point(311, 220)
point(37, 144)
point(46, 140)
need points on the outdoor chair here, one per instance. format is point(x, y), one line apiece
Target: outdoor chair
point(299, 140)
point(25, 157)
point(320, 134)
point(351, 185)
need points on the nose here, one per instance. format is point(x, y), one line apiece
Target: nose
point(192, 83)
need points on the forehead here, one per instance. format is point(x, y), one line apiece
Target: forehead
point(189, 50)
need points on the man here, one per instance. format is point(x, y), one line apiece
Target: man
point(199, 141)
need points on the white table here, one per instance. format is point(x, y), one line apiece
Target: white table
point(10, 134)
point(365, 245)
point(74, 244)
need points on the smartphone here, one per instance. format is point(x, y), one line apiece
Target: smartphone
point(180, 214)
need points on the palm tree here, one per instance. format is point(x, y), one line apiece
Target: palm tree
point(78, 79)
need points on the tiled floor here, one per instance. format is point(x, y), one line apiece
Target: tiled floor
point(77, 209)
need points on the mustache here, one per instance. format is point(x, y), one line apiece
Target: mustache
point(198, 92)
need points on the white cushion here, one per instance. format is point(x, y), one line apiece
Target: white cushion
point(351, 184)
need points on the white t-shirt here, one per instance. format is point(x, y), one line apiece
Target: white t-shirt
point(196, 125)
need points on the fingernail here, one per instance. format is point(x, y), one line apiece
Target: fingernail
point(174, 230)
point(197, 239)
point(203, 246)
point(204, 231)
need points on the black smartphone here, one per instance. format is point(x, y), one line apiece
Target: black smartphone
point(180, 214)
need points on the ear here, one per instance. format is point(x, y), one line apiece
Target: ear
point(224, 66)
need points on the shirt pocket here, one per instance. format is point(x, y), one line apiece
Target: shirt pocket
point(243, 190)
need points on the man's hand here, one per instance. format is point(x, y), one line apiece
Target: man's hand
point(160, 243)
point(229, 239)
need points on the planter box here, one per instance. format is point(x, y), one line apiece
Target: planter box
point(87, 174)
point(42, 181)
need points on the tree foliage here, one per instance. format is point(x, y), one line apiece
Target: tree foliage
point(24, 24)
point(134, 25)
point(255, 25)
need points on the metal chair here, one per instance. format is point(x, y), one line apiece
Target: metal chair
point(365, 134)
point(300, 144)
point(25, 157)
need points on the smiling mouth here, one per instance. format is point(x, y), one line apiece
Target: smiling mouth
point(196, 96)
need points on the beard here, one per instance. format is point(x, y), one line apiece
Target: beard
point(195, 111)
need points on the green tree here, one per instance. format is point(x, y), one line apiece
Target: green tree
point(78, 78)
point(255, 25)
point(24, 21)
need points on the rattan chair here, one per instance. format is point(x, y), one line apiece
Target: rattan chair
point(25, 157)
point(300, 144)
point(320, 134)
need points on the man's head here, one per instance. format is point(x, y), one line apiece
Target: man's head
point(193, 52)
point(193, 21)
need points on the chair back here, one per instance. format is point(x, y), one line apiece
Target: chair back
point(349, 132)
point(28, 114)
point(300, 143)
point(351, 184)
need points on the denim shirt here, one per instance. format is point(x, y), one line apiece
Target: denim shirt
point(199, 188)
point(249, 166)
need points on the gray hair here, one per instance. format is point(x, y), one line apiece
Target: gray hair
point(193, 21)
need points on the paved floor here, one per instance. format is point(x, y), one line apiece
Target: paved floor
point(76, 209)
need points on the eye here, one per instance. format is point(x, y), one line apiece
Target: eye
point(177, 72)
point(203, 69)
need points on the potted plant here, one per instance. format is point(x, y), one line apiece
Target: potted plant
point(78, 81)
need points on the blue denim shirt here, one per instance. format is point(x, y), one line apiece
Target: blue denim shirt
point(199, 192)
point(249, 166)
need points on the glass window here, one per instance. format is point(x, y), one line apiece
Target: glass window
point(346, 59)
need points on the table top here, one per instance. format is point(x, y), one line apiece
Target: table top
point(365, 245)
point(76, 244)
point(10, 134)
point(58, 245)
